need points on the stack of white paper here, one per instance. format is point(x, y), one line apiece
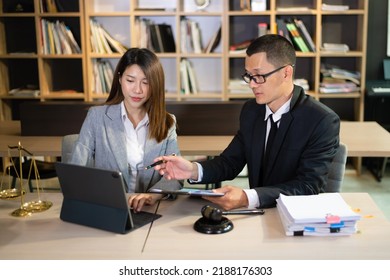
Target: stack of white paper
point(325, 214)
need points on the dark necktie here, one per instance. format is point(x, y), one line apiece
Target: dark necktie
point(270, 140)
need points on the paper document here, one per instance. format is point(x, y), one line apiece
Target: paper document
point(318, 215)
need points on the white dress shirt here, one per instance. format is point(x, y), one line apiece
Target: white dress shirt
point(135, 144)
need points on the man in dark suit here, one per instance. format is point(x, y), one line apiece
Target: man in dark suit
point(301, 144)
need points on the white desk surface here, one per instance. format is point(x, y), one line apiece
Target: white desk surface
point(45, 236)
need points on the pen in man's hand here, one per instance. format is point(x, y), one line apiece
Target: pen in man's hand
point(156, 163)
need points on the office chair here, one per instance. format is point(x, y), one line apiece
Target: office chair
point(46, 170)
point(337, 170)
point(68, 142)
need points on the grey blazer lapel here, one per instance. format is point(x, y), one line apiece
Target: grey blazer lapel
point(152, 150)
point(117, 137)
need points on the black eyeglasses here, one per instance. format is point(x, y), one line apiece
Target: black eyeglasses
point(261, 79)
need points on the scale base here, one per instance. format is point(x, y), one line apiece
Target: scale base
point(11, 193)
point(31, 207)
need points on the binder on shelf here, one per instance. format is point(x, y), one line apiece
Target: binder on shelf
point(168, 41)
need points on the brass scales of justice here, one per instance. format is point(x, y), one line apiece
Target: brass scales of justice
point(26, 208)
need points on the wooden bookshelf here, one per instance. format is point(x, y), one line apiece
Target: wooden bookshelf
point(64, 77)
point(24, 63)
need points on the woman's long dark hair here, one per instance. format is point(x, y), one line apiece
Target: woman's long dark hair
point(159, 119)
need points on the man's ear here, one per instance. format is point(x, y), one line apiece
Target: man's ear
point(288, 71)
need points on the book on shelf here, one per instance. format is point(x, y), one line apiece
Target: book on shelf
point(329, 215)
point(337, 83)
point(150, 9)
point(302, 83)
point(333, 47)
point(103, 76)
point(330, 71)
point(102, 41)
point(292, 9)
point(45, 36)
point(153, 5)
point(54, 6)
point(49, 30)
point(214, 42)
point(305, 34)
point(296, 37)
point(238, 86)
point(185, 84)
point(57, 38)
point(191, 77)
point(196, 37)
point(282, 29)
point(166, 35)
point(339, 90)
point(191, 40)
point(240, 47)
point(258, 5)
point(143, 33)
point(161, 37)
point(105, 46)
point(262, 29)
point(336, 8)
point(331, 85)
point(116, 46)
point(188, 78)
point(96, 37)
point(184, 39)
point(49, 6)
point(57, 44)
point(63, 39)
point(72, 41)
point(27, 91)
point(155, 38)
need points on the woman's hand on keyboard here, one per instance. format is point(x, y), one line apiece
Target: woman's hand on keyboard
point(138, 200)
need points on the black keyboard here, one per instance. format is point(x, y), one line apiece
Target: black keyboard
point(379, 88)
point(143, 218)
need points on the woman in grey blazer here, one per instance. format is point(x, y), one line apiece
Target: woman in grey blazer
point(131, 128)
